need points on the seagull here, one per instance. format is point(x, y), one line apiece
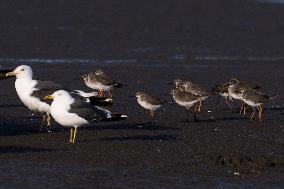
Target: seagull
point(70, 111)
point(100, 81)
point(32, 92)
point(93, 98)
point(149, 102)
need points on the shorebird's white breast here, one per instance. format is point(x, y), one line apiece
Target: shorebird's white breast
point(225, 94)
point(185, 103)
point(61, 115)
point(236, 96)
point(251, 103)
point(24, 89)
point(147, 105)
point(98, 86)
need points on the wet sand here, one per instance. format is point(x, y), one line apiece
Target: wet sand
point(222, 150)
point(145, 44)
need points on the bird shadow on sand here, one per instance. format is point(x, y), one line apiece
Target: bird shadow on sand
point(230, 118)
point(280, 108)
point(12, 106)
point(141, 138)
point(21, 149)
point(134, 126)
point(14, 129)
point(198, 121)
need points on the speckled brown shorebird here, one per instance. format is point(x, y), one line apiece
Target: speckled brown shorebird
point(197, 90)
point(222, 90)
point(186, 100)
point(237, 88)
point(256, 99)
point(179, 84)
point(100, 81)
point(149, 102)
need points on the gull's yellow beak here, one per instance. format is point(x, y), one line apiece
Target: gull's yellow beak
point(10, 74)
point(48, 97)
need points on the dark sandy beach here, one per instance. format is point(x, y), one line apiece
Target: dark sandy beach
point(222, 150)
point(145, 44)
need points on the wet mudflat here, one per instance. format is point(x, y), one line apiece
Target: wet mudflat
point(221, 150)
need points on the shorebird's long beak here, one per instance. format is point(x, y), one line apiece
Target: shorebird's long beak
point(131, 96)
point(170, 83)
point(48, 97)
point(10, 74)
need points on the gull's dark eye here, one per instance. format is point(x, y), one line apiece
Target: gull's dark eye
point(23, 69)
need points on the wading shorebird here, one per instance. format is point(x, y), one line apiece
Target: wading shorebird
point(186, 100)
point(256, 99)
point(222, 90)
point(100, 81)
point(149, 102)
point(198, 91)
point(237, 88)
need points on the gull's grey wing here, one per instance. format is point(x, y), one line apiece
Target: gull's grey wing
point(87, 111)
point(43, 88)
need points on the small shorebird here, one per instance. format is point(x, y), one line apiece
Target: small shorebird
point(179, 84)
point(186, 100)
point(222, 90)
point(196, 90)
point(149, 102)
point(254, 99)
point(237, 88)
point(100, 81)
point(70, 111)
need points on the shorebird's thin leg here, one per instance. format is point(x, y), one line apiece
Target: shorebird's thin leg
point(71, 135)
point(42, 126)
point(196, 108)
point(199, 108)
point(252, 114)
point(152, 113)
point(260, 114)
point(43, 119)
point(227, 102)
point(110, 93)
point(242, 107)
point(75, 134)
point(193, 113)
point(100, 93)
point(48, 119)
